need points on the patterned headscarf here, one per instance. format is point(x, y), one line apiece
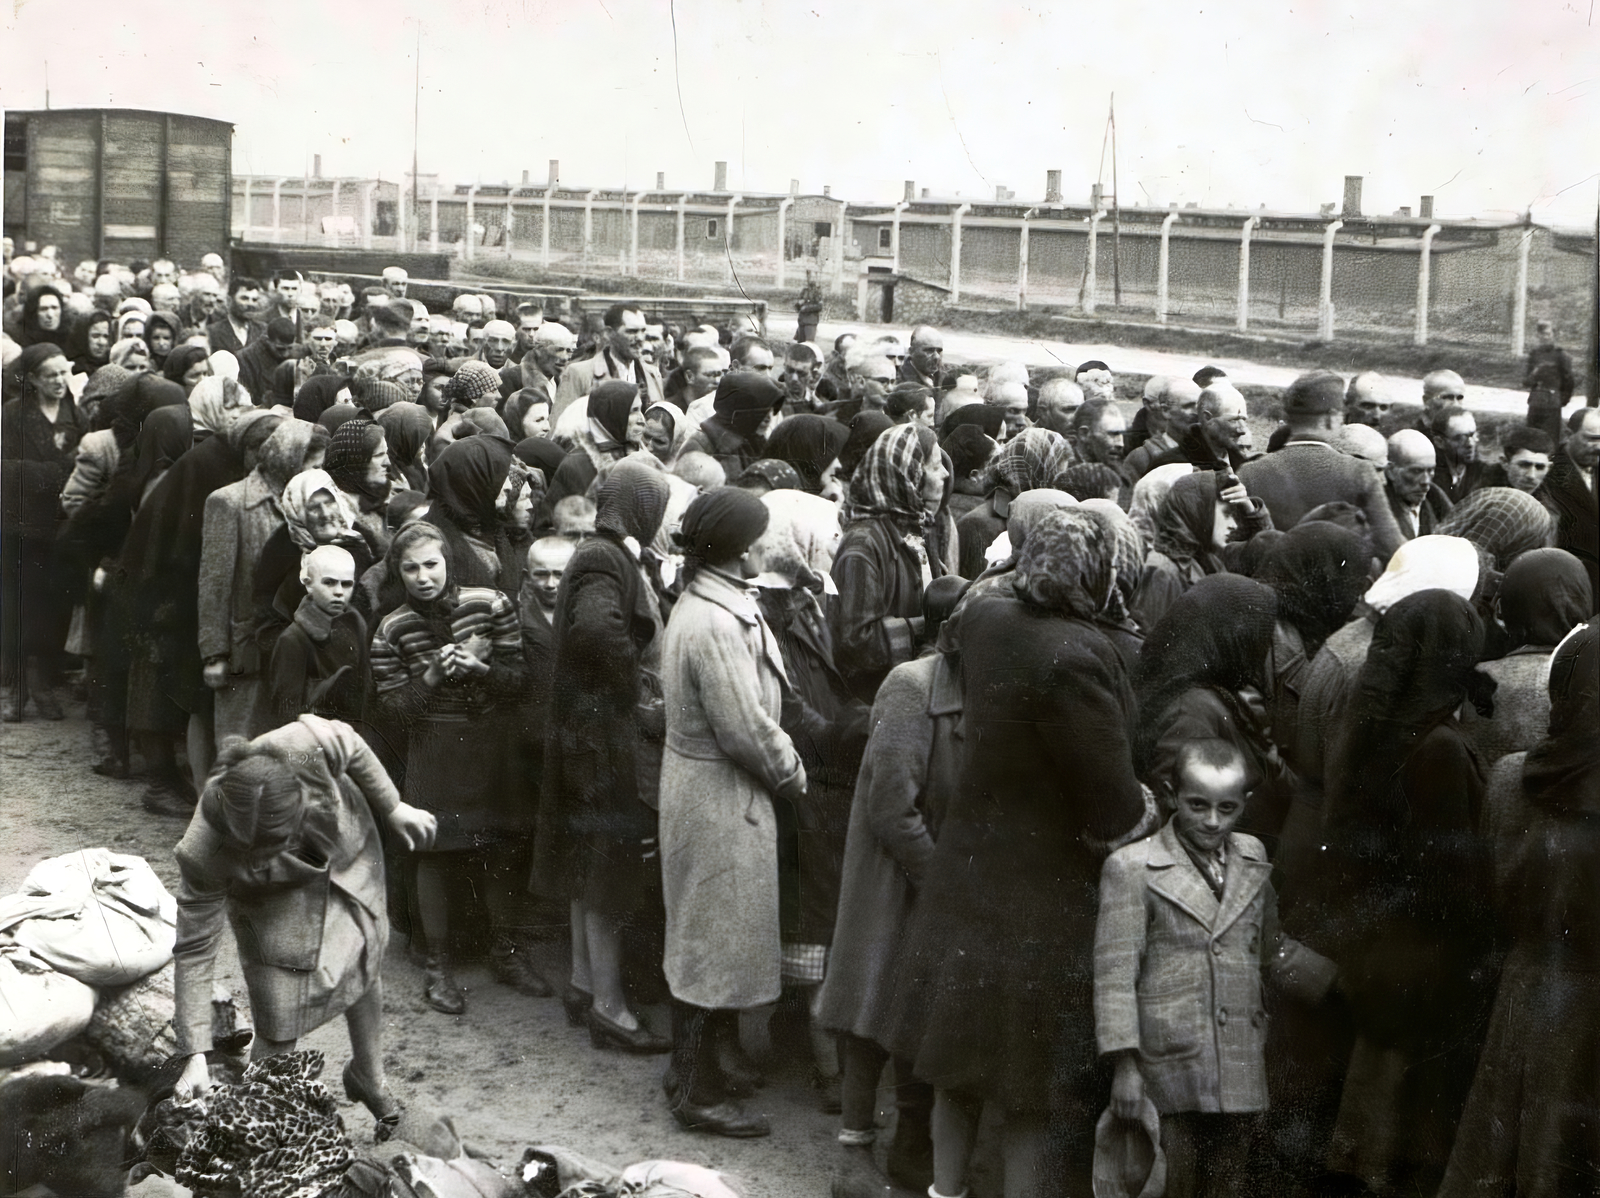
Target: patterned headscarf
point(801, 538)
point(472, 382)
point(1501, 521)
point(211, 401)
point(1065, 565)
point(1127, 557)
point(631, 500)
point(296, 501)
point(1148, 493)
point(350, 449)
point(888, 482)
point(378, 395)
point(1034, 458)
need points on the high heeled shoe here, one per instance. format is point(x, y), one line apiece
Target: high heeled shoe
point(385, 1108)
point(605, 1033)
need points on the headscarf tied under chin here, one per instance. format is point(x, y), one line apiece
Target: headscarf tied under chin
point(631, 500)
point(1127, 558)
point(1544, 595)
point(465, 480)
point(296, 503)
point(744, 399)
point(1562, 772)
point(211, 401)
point(1036, 457)
point(1184, 523)
point(720, 526)
point(610, 404)
point(1432, 562)
point(350, 451)
point(801, 538)
point(810, 444)
point(1501, 521)
point(1064, 566)
point(888, 482)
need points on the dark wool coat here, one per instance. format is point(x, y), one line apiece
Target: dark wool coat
point(1000, 949)
point(1436, 506)
point(36, 459)
point(908, 776)
point(1577, 515)
point(602, 754)
point(877, 620)
point(977, 529)
point(1307, 474)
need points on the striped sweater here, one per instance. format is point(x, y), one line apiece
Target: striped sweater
point(407, 641)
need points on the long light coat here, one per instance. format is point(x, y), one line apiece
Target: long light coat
point(1177, 972)
point(725, 758)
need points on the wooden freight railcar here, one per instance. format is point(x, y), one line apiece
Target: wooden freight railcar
point(119, 183)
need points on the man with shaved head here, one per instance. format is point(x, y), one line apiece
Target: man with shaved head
point(1012, 400)
point(1367, 399)
point(1416, 503)
point(1059, 399)
point(1440, 389)
point(1219, 436)
point(925, 363)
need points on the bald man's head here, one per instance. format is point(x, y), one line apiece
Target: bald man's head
point(1412, 459)
point(1368, 399)
point(1442, 387)
point(1058, 400)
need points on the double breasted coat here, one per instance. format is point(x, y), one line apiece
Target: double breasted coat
point(726, 758)
point(1178, 972)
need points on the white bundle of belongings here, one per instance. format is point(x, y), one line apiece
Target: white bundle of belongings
point(549, 1171)
point(82, 921)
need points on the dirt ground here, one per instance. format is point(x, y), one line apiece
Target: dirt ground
point(511, 1072)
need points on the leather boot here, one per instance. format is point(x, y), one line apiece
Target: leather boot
point(695, 1090)
point(440, 990)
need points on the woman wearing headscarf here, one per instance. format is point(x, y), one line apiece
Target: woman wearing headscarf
point(1544, 595)
point(1408, 888)
point(407, 427)
point(865, 428)
point(320, 393)
point(615, 429)
point(1201, 676)
point(39, 434)
point(986, 418)
point(95, 338)
point(315, 512)
point(1034, 458)
point(210, 403)
point(1529, 1126)
point(1127, 564)
point(239, 521)
point(1502, 521)
point(1319, 573)
point(447, 666)
point(187, 365)
point(741, 413)
point(130, 353)
point(130, 324)
point(358, 461)
point(1148, 494)
point(464, 486)
point(162, 332)
point(114, 429)
point(597, 829)
point(727, 762)
point(884, 562)
point(666, 431)
point(812, 445)
point(1192, 525)
point(44, 318)
point(997, 979)
point(829, 730)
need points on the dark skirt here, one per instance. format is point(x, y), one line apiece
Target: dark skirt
point(151, 707)
point(456, 770)
point(33, 617)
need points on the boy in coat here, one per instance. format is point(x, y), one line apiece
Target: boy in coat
point(1188, 921)
point(319, 663)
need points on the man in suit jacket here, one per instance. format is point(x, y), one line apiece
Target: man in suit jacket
point(242, 323)
point(1309, 472)
point(925, 363)
point(1573, 485)
point(1455, 435)
point(619, 357)
point(1414, 499)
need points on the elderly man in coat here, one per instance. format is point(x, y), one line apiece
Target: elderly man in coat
point(1309, 472)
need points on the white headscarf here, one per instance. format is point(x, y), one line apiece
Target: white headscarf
point(801, 538)
point(1426, 564)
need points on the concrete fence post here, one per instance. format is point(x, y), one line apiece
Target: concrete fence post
point(727, 236)
point(277, 210)
point(1163, 258)
point(783, 245)
point(588, 224)
point(244, 229)
point(544, 229)
point(511, 221)
point(955, 250)
point(466, 244)
point(1091, 282)
point(366, 214)
point(683, 216)
point(1419, 336)
point(1325, 301)
point(1519, 294)
point(894, 236)
point(1022, 260)
point(1241, 319)
point(433, 223)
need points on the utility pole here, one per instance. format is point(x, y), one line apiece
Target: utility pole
point(1116, 220)
point(416, 117)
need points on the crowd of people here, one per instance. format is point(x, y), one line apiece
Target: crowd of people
point(1118, 776)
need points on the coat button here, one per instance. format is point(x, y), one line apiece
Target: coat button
point(1222, 1016)
point(1216, 948)
point(1259, 1019)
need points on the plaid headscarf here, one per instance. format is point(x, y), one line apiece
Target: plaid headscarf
point(1501, 521)
point(1127, 557)
point(472, 382)
point(888, 482)
point(296, 500)
point(1034, 458)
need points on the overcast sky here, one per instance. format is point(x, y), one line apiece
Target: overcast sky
point(1492, 106)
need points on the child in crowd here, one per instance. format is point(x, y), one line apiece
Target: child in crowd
point(1188, 921)
point(573, 517)
point(319, 663)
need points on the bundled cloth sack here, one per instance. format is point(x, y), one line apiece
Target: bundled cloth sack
point(103, 918)
point(39, 1008)
point(549, 1171)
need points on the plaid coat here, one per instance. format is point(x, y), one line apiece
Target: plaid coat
point(1177, 973)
